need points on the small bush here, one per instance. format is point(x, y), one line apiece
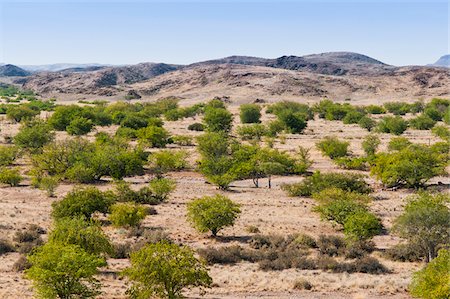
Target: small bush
point(394, 125)
point(362, 225)
point(10, 176)
point(353, 117)
point(397, 108)
point(358, 249)
point(183, 140)
point(367, 123)
point(34, 135)
point(333, 147)
point(294, 122)
point(80, 126)
point(302, 284)
point(80, 173)
point(153, 136)
point(374, 109)
point(404, 253)
point(126, 214)
point(5, 247)
point(422, 122)
point(21, 264)
point(318, 182)
point(82, 202)
point(251, 132)
point(432, 282)
point(49, 184)
point(398, 143)
point(250, 113)
point(196, 127)
point(218, 120)
point(7, 155)
point(369, 265)
point(305, 240)
point(212, 213)
point(370, 144)
point(441, 131)
point(357, 163)
point(161, 188)
point(167, 160)
point(330, 245)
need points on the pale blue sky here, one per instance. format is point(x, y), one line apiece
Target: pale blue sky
point(123, 32)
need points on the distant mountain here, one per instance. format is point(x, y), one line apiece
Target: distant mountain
point(9, 70)
point(331, 63)
point(60, 66)
point(95, 81)
point(444, 61)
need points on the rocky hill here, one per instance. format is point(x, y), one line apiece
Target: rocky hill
point(9, 70)
point(337, 75)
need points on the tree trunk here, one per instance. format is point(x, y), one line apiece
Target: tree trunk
point(270, 181)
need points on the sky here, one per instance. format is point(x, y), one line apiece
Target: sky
point(396, 32)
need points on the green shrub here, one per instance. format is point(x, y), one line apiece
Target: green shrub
point(330, 245)
point(63, 115)
point(212, 213)
point(294, 122)
point(356, 163)
point(164, 161)
point(10, 176)
point(81, 232)
point(339, 210)
point(367, 123)
point(370, 144)
point(196, 127)
point(134, 121)
point(398, 143)
point(251, 132)
point(49, 184)
point(153, 136)
point(21, 112)
point(333, 147)
point(432, 282)
point(374, 109)
point(127, 133)
point(362, 225)
point(441, 131)
point(422, 122)
point(353, 117)
point(34, 135)
point(250, 113)
point(161, 188)
point(274, 128)
point(318, 182)
point(126, 214)
point(80, 126)
point(183, 140)
point(412, 166)
point(80, 173)
point(293, 107)
point(394, 125)
point(218, 120)
point(8, 155)
point(64, 271)
point(397, 108)
point(164, 270)
point(82, 202)
point(424, 223)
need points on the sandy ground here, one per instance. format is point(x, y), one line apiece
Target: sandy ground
point(271, 210)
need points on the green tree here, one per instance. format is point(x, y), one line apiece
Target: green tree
point(154, 136)
point(433, 281)
point(80, 126)
point(425, 223)
point(64, 271)
point(394, 125)
point(218, 120)
point(250, 113)
point(370, 144)
point(295, 122)
point(367, 123)
point(81, 232)
point(165, 270)
point(164, 161)
point(161, 188)
point(412, 166)
point(333, 147)
point(82, 202)
point(34, 135)
point(21, 112)
point(127, 214)
point(362, 225)
point(212, 213)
